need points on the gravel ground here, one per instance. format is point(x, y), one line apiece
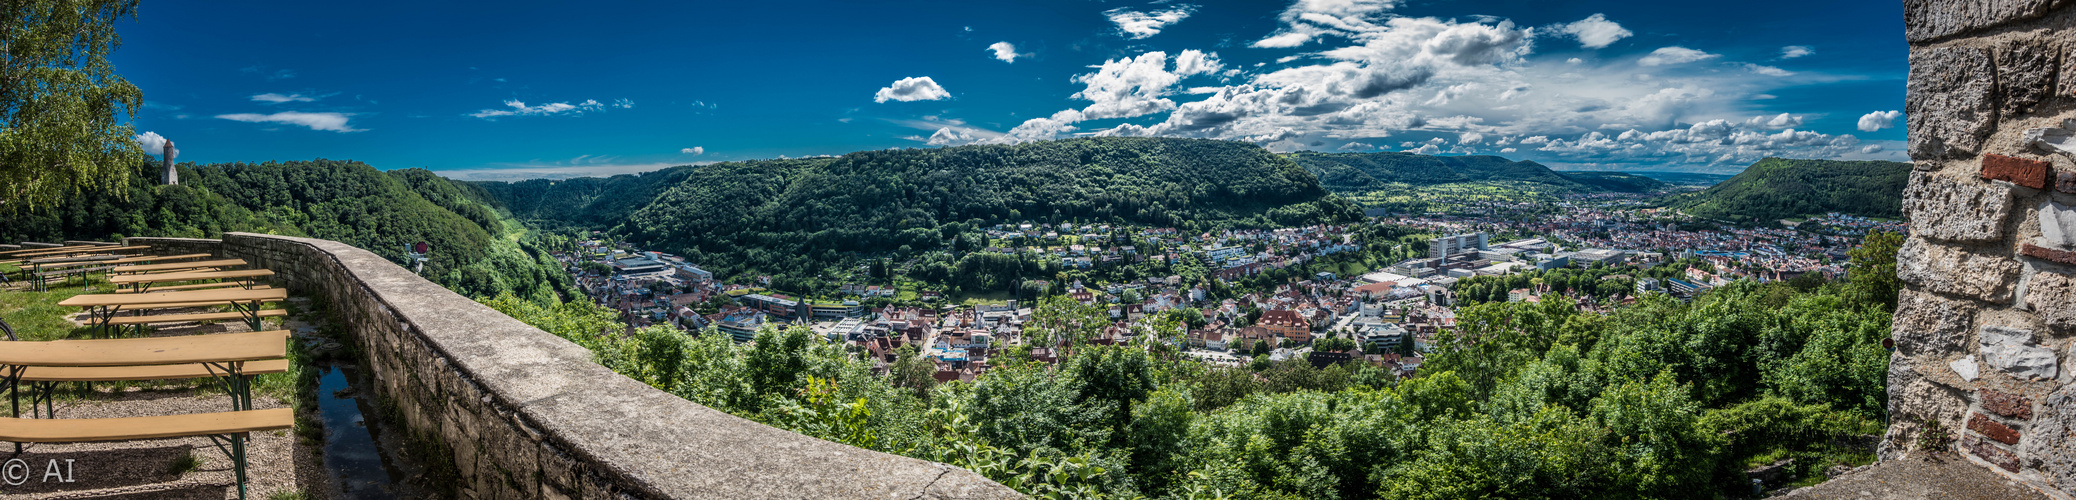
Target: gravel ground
point(275, 462)
point(1943, 476)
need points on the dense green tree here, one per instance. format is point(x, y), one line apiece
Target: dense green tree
point(60, 101)
point(1776, 188)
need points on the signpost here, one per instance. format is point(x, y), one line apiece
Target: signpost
point(416, 252)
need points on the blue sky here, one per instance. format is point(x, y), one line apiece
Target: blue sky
point(520, 89)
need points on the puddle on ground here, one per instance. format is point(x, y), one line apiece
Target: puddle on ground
point(364, 459)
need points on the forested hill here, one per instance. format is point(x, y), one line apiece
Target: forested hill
point(345, 201)
point(1776, 188)
point(780, 216)
point(584, 202)
point(1344, 172)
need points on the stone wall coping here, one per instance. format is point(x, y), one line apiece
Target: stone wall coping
point(658, 444)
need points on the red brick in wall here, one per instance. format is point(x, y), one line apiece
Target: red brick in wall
point(2029, 173)
point(2007, 405)
point(1992, 429)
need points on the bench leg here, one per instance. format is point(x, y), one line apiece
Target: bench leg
point(234, 383)
point(13, 379)
point(252, 317)
point(236, 452)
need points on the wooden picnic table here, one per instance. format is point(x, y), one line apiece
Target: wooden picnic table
point(180, 265)
point(78, 249)
point(225, 353)
point(102, 307)
point(142, 282)
point(183, 350)
point(20, 251)
point(155, 258)
point(36, 271)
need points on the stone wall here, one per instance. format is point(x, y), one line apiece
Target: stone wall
point(525, 414)
point(1985, 323)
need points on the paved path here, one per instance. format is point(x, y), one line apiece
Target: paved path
point(1917, 477)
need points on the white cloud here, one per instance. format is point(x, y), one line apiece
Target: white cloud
point(1794, 51)
point(920, 88)
point(1477, 83)
point(1595, 31)
point(273, 98)
point(519, 108)
point(948, 136)
point(332, 122)
point(1870, 149)
point(1674, 55)
point(152, 142)
point(1004, 51)
point(1358, 146)
point(1878, 120)
point(694, 150)
point(1768, 70)
point(1775, 122)
point(1136, 25)
point(1308, 20)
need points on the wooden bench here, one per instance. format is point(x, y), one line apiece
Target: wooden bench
point(197, 286)
point(157, 258)
point(226, 357)
point(180, 266)
point(35, 269)
point(142, 282)
point(36, 250)
point(73, 250)
point(64, 275)
point(83, 430)
point(185, 305)
point(140, 321)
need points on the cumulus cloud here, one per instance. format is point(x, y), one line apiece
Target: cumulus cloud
point(1674, 55)
point(1308, 20)
point(1004, 51)
point(1776, 122)
point(1595, 31)
point(1475, 86)
point(330, 122)
point(1879, 120)
point(516, 107)
point(694, 150)
point(152, 142)
point(916, 88)
point(1767, 70)
point(1871, 149)
point(1794, 51)
point(273, 98)
point(1137, 25)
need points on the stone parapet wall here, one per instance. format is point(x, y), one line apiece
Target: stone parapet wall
point(525, 414)
point(1985, 322)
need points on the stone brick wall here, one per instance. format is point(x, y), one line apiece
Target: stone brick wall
point(1985, 323)
point(525, 414)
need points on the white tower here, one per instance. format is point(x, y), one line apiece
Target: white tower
point(172, 176)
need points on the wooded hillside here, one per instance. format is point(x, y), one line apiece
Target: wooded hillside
point(1776, 188)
